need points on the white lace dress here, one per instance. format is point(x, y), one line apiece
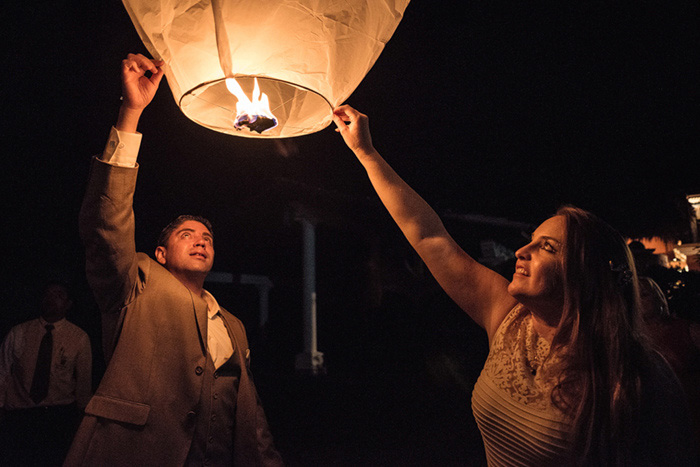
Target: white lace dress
point(511, 399)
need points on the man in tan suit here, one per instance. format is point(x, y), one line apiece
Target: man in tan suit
point(177, 389)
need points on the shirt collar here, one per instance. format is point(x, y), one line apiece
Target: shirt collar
point(212, 305)
point(55, 324)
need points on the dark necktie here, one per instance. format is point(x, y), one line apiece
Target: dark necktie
point(42, 371)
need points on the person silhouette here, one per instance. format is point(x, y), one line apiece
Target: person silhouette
point(45, 382)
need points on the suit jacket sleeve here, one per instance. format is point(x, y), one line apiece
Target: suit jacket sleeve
point(83, 373)
point(107, 231)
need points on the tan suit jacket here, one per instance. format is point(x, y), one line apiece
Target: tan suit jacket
point(154, 334)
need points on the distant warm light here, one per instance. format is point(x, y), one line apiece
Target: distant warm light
point(694, 201)
point(255, 113)
point(658, 245)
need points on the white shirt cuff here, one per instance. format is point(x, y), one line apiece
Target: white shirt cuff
point(122, 148)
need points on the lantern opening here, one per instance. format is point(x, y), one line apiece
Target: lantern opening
point(296, 110)
point(255, 113)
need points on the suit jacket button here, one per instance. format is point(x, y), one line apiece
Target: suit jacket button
point(199, 370)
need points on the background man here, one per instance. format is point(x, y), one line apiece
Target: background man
point(45, 383)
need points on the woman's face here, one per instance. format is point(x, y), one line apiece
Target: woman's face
point(538, 278)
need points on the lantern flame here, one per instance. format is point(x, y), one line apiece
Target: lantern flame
point(254, 113)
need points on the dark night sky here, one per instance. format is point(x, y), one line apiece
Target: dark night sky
point(504, 108)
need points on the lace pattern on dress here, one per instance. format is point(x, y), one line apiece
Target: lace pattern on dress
point(519, 361)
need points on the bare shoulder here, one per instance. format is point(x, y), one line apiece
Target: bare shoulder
point(481, 292)
point(501, 309)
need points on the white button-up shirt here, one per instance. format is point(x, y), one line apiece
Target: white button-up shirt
point(71, 365)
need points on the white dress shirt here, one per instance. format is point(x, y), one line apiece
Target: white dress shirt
point(71, 365)
point(218, 340)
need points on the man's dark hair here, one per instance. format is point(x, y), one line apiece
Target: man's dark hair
point(170, 228)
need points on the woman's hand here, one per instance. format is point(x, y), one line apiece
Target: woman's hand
point(353, 126)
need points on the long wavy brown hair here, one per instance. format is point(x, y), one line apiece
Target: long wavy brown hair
point(601, 341)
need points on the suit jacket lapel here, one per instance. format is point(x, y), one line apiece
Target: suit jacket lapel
point(245, 441)
point(237, 339)
point(199, 307)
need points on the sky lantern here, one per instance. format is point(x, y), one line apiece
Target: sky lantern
point(264, 68)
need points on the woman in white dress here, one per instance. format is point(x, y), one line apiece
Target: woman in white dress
point(570, 378)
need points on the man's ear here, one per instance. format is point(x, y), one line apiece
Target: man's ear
point(160, 254)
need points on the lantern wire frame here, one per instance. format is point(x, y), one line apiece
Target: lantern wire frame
point(298, 110)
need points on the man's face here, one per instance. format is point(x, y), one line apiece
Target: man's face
point(189, 249)
point(55, 302)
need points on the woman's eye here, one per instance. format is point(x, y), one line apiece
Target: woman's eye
point(548, 247)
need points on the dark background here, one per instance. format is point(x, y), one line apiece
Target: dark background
point(503, 109)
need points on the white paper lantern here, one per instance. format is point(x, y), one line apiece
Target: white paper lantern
point(306, 56)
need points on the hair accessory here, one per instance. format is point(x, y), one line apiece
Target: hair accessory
point(622, 272)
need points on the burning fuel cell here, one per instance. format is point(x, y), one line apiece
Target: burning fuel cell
point(255, 113)
point(257, 123)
